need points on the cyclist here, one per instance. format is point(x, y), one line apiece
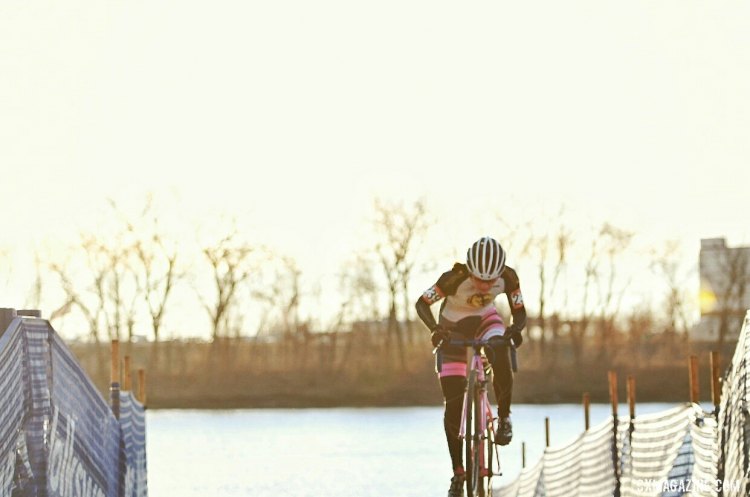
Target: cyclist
point(469, 291)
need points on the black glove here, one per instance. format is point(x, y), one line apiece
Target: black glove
point(515, 337)
point(439, 334)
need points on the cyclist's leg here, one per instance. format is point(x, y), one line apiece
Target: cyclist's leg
point(502, 379)
point(453, 394)
point(499, 357)
point(452, 376)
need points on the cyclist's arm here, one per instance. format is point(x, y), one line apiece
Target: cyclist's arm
point(429, 297)
point(446, 285)
point(515, 300)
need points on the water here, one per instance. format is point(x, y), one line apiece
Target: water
point(379, 452)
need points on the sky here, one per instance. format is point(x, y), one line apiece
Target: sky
point(293, 116)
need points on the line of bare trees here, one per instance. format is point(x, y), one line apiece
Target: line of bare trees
point(124, 285)
point(111, 281)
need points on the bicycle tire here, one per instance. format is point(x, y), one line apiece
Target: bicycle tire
point(471, 439)
point(480, 442)
point(489, 447)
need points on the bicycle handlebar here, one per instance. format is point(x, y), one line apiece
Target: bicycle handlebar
point(462, 341)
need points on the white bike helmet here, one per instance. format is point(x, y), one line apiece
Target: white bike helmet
point(485, 259)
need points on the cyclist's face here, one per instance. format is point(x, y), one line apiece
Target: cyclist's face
point(483, 285)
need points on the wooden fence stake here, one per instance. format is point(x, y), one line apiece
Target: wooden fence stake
point(694, 387)
point(631, 395)
point(114, 387)
point(127, 380)
point(613, 392)
point(115, 367)
point(715, 376)
point(587, 410)
point(615, 458)
point(142, 386)
point(523, 455)
point(546, 430)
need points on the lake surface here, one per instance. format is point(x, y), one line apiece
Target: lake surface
point(378, 452)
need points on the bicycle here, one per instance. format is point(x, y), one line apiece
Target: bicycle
point(479, 436)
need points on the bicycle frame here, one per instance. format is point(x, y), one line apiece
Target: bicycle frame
point(477, 434)
point(478, 442)
point(477, 365)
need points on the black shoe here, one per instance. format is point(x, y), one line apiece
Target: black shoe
point(457, 486)
point(504, 433)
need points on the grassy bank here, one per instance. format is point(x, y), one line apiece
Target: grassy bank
point(243, 374)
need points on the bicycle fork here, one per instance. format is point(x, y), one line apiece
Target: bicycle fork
point(485, 411)
point(485, 418)
point(476, 365)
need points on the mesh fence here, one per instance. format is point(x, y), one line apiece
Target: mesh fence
point(133, 461)
point(13, 404)
point(733, 421)
point(59, 438)
point(682, 451)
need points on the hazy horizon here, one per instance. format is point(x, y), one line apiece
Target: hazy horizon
point(292, 117)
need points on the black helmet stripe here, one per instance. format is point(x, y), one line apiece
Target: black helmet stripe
point(475, 258)
point(491, 262)
point(483, 259)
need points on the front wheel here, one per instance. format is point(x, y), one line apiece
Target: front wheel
point(473, 439)
point(489, 447)
point(481, 433)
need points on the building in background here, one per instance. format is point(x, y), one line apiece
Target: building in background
point(724, 290)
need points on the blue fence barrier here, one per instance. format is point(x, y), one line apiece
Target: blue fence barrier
point(58, 436)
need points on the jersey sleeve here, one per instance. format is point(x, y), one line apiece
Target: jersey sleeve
point(446, 285)
point(515, 298)
point(512, 288)
point(432, 294)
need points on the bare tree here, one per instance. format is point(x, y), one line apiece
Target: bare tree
point(359, 309)
point(551, 252)
point(113, 284)
point(279, 290)
point(579, 327)
point(96, 280)
point(518, 239)
point(615, 242)
point(400, 227)
point(290, 280)
point(121, 283)
point(638, 322)
point(120, 275)
point(666, 265)
point(520, 242)
point(734, 281)
point(151, 259)
point(34, 300)
point(74, 299)
point(229, 260)
point(358, 285)
point(154, 265)
point(558, 243)
point(157, 276)
point(542, 248)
